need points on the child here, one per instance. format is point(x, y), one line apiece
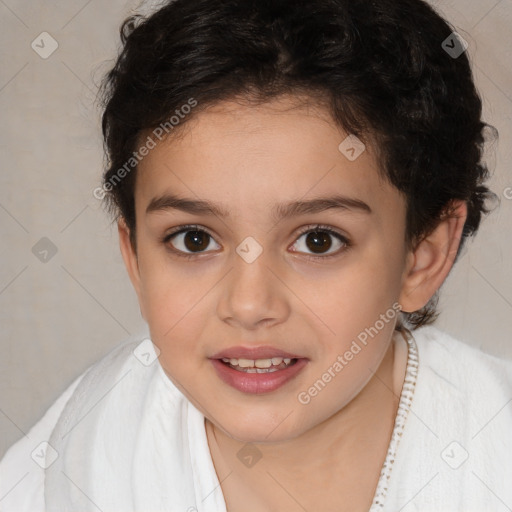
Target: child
point(282, 376)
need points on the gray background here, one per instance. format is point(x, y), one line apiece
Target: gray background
point(59, 316)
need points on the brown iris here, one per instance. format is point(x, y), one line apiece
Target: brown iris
point(196, 240)
point(317, 239)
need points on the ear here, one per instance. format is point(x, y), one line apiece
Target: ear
point(130, 258)
point(430, 262)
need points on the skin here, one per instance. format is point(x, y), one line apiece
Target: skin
point(327, 454)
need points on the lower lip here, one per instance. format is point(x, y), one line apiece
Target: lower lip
point(257, 383)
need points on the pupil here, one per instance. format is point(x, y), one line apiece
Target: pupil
point(317, 238)
point(196, 240)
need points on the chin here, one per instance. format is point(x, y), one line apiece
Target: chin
point(276, 429)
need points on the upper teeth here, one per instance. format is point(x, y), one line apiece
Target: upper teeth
point(257, 363)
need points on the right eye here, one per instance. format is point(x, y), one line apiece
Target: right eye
point(187, 241)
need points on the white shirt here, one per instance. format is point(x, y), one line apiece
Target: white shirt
point(122, 437)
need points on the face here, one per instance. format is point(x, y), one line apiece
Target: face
point(259, 283)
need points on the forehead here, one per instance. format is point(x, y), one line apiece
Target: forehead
point(245, 158)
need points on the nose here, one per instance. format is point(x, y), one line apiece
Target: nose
point(253, 295)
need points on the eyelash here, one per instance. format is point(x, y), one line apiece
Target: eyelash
point(312, 228)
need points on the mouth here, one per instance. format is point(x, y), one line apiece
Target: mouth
point(257, 370)
point(259, 365)
point(269, 365)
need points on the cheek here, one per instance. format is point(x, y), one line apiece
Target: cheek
point(161, 283)
point(356, 297)
point(341, 376)
point(174, 310)
point(166, 296)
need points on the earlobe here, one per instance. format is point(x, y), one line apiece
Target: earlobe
point(432, 259)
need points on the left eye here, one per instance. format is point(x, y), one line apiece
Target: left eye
point(319, 241)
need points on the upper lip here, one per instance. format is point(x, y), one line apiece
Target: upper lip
point(261, 352)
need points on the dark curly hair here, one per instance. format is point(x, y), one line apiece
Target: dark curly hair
point(379, 67)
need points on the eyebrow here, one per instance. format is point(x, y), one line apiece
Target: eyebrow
point(279, 211)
